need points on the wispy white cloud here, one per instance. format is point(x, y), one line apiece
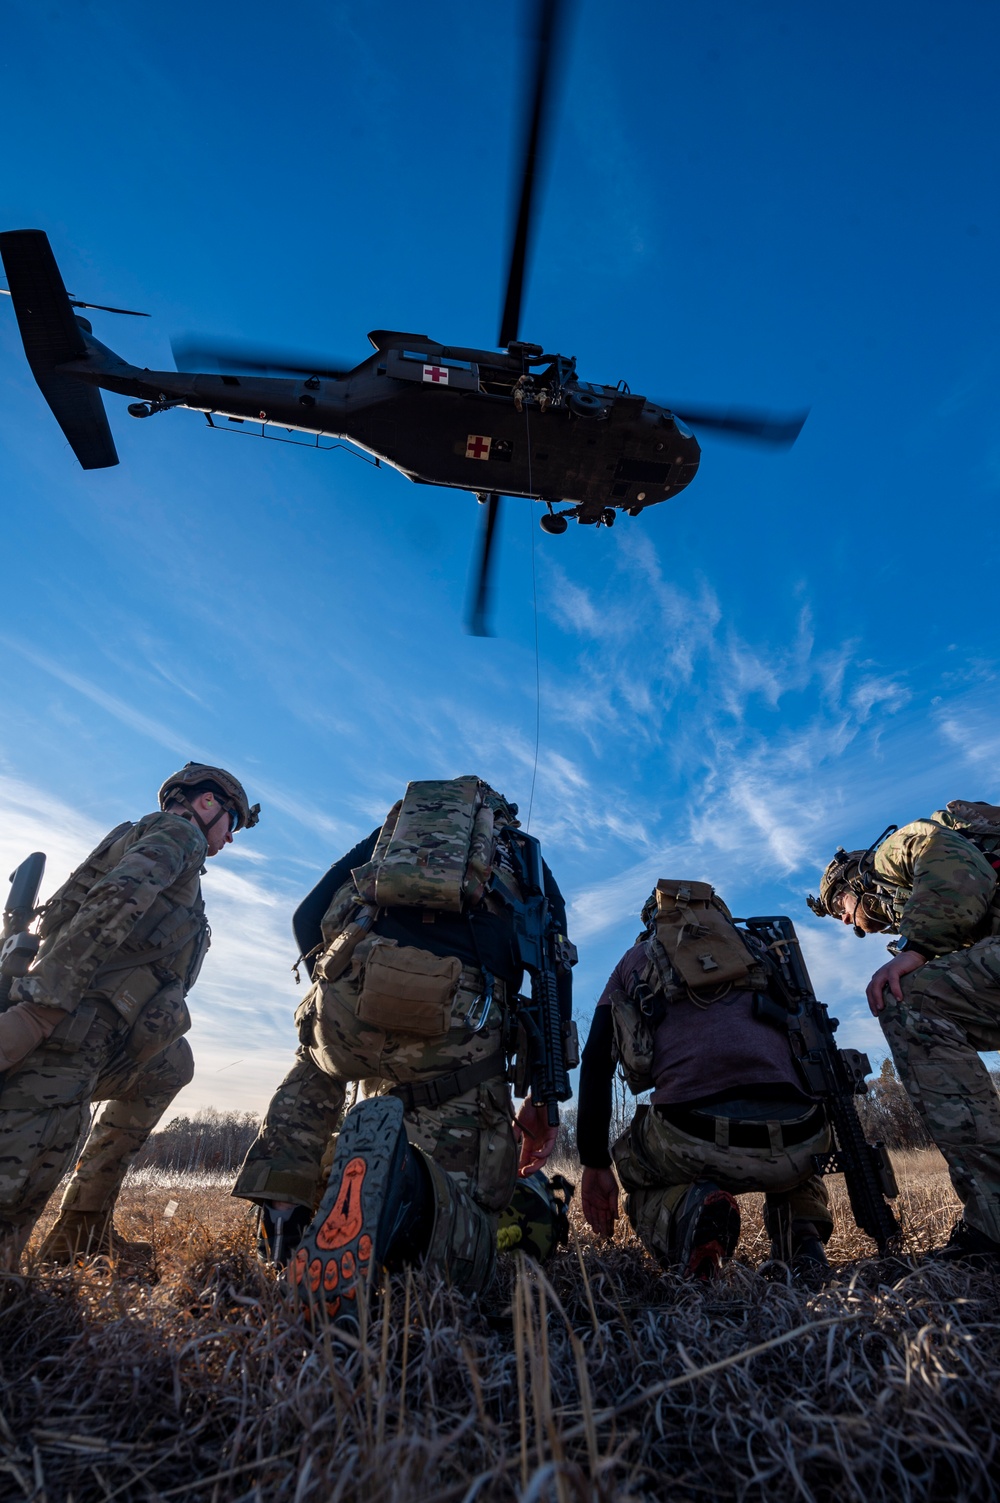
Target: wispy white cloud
point(886, 693)
point(111, 703)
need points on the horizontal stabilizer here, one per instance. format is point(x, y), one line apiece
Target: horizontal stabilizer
point(52, 337)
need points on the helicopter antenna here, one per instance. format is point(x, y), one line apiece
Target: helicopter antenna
point(547, 39)
point(75, 302)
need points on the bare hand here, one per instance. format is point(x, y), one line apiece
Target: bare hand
point(537, 1138)
point(599, 1193)
point(888, 976)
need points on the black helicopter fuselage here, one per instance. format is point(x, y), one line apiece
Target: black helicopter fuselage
point(517, 424)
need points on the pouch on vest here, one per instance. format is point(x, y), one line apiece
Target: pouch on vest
point(701, 944)
point(339, 953)
point(407, 990)
point(67, 1037)
point(164, 1018)
point(128, 991)
point(633, 1031)
point(439, 852)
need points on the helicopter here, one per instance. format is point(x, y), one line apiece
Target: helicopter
point(514, 421)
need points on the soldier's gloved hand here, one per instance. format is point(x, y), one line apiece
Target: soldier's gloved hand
point(599, 1193)
point(888, 976)
point(537, 1138)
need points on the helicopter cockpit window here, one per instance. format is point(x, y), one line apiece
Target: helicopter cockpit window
point(414, 355)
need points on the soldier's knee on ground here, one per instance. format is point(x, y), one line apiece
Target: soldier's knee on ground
point(462, 1242)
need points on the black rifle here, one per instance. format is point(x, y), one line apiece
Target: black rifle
point(547, 1046)
point(20, 946)
point(835, 1075)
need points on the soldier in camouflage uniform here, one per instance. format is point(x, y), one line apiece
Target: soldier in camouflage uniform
point(729, 1111)
point(409, 950)
point(101, 1015)
point(938, 998)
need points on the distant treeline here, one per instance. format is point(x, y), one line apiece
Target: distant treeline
point(209, 1142)
point(217, 1142)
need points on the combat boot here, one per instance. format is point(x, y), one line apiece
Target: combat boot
point(967, 1244)
point(798, 1244)
point(377, 1210)
point(279, 1231)
point(705, 1231)
point(76, 1235)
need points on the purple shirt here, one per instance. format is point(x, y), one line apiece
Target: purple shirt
point(700, 1052)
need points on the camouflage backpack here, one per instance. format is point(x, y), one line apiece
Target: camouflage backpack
point(435, 850)
point(979, 822)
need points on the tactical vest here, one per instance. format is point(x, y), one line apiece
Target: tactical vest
point(695, 952)
point(167, 945)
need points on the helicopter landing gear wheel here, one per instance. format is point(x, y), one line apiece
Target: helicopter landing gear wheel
point(608, 516)
point(553, 524)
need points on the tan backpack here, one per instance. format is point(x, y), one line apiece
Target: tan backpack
point(695, 942)
point(695, 951)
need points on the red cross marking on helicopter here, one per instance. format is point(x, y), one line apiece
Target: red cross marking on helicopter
point(436, 373)
point(477, 446)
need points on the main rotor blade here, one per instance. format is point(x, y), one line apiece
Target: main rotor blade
point(191, 355)
point(740, 422)
point(548, 20)
point(477, 622)
point(75, 302)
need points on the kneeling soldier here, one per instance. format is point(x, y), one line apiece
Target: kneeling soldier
point(938, 1000)
point(416, 962)
point(729, 1111)
point(101, 1015)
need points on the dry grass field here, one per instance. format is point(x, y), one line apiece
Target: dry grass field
point(604, 1379)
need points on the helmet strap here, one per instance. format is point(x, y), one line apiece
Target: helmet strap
point(205, 828)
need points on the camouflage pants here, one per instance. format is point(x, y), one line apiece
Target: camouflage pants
point(951, 1009)
point(469, 1139)
point(657, 1163)
point(44, 1106)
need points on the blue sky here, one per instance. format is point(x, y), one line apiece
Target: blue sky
point(751, 203)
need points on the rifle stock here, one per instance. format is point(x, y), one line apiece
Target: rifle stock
point(836, 1076)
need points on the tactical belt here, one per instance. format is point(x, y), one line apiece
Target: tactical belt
point(446, 1087)
point(743, 1134)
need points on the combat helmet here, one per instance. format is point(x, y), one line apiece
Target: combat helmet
point(196, 777)
point(844, 871)
point(536, 1221)
point(854, 871)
